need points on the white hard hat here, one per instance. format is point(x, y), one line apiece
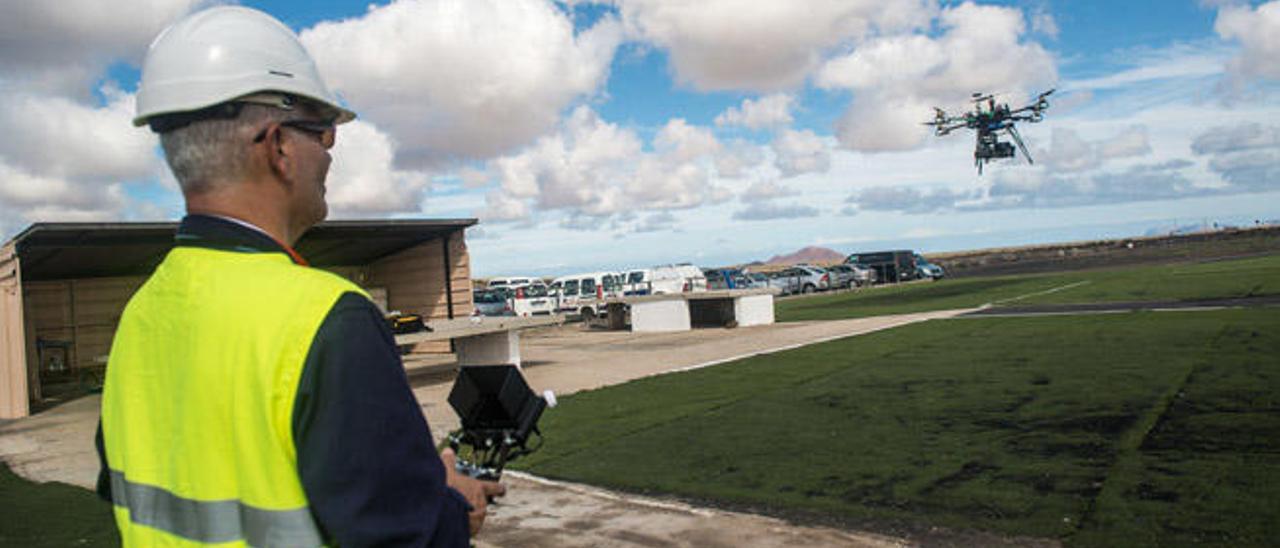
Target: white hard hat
point(224, 53)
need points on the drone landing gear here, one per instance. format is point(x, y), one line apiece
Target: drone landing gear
point(1013, 132)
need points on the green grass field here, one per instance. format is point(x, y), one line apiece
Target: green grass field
point(52, 514)
point(1253, 277)
point(1142, 428)
point(1188, 281)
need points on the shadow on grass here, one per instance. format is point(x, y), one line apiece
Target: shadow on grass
point(52, 514)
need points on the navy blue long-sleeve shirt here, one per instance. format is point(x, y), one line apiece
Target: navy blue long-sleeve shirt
point(365, 453)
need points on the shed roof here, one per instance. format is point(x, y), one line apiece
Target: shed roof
point(53, 251)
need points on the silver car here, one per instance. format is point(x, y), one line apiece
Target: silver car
point(492, 302)
point(785, 282)
point(812, 278)
point(851, 275)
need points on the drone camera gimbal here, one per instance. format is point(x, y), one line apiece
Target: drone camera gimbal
point(499, 416)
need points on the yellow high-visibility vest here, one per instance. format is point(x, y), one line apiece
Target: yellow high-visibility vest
point(198, 402)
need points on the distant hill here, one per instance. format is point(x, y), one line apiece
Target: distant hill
point(811, 254)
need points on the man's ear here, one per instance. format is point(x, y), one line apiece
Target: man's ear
point(279, 154)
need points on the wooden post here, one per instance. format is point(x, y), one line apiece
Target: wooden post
point(448, 277)
point(14, 400)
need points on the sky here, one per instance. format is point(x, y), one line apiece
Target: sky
point(608, 135)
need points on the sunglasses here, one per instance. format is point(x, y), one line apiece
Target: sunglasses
point(324, 132)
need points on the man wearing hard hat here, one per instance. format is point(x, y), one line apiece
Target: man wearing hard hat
point(249, 399)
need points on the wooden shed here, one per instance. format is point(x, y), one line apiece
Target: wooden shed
point(63, 287)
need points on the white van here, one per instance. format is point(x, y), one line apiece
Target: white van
point(580, 292)
point(676, 278)
point(636, 281)
point(531, 300)
point(513, 281)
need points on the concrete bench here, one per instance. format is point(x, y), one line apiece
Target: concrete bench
point(481, 340)
point(682, 311)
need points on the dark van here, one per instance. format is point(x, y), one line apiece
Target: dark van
point(890, 266)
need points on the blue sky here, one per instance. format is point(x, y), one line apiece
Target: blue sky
point(639, 132)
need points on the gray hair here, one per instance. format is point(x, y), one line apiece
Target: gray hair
point(215, 151)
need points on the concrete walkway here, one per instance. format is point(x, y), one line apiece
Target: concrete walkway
point(57, 445)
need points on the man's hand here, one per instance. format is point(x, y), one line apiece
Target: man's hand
point(475, 491)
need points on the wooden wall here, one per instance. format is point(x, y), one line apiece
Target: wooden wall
point(13, 342)
point(414, 280)
point(84, 312)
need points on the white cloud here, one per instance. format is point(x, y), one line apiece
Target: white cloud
point(760, 46)
point(1129, 143)
point(473, 178)
point(63, 47)
point(799, 152)
point(1235, 138)
point(57, 137)
point(1043, 22)
point(502, 207)
point(764, 190)
point(67, 161)
point(907, 199)
point(1177, 62)
point(1068, 152)
point(660, 183)
point(766, 112)
point(897, 78)
point(1246, 155)
point(1142, 183)
point(1258, 31)
point(362, 178)
point(681, 142)
point(595, 168)
point(767, 211)
point(27, 198)
point(462, 78)
point(736, 157)
point(657, 222)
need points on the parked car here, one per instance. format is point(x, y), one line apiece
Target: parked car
point(850, 275)
point(532, 300)
point(676, 278)
point(725, 278)
point(757, 280)
point(491, 302)
point(926, 269)
point(812, 278)
point(786, 282)
point(769, 281)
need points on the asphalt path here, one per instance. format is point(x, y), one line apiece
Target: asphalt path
point(1121, 307)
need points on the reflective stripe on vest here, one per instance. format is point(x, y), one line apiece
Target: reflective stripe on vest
point(198, 402)
point(213, 522)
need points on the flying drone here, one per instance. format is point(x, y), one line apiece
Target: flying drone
point(989, 122)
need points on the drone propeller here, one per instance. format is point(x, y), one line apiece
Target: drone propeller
point(940, 122)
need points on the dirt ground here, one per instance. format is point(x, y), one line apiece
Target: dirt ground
point(57, 445)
